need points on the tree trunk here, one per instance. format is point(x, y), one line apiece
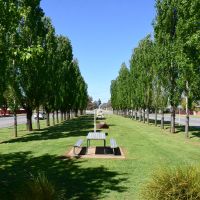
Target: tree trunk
point(61, 116)
point(15, 123)
point(172, 128)
point(81, 112)
point(135, 114)
point(140, 115)
point(37, 119)
point(132, 114)
point(57, 119)
point(143, 115)
point(65, 116)
point(53, 116)
point(48, 121)
point(162, 119)
point(147, 115)
point(187, 113)
point(71, 114)
point(76, 113)
point(29, 119)
point(187, 125)
point(68, 114)
point(156, 116)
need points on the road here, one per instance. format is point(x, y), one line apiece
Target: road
point(194, 121)
point(8, 121)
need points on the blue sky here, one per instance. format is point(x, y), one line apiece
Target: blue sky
point(103, 34)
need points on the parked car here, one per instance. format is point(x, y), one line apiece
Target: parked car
point(42, 115)
point(100, 116)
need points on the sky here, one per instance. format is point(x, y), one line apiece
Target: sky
point(103, 34)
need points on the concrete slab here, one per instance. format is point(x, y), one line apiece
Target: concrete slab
point(96, 152)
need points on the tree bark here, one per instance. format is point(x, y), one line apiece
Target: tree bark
point(162, 119)
point(147, 115)
point(48, 121)
point(68, 114)
point(81, 112)
point(187, 126)
point(37, 119)
point(76, 113)
point(65, 116)
point(187, 118)
point(156, 116)
point(57, 119)
point(29, 119)
point(135, 114)
point(172, 128)
point(132, 114)
point(53, 116)
point(140, 115)
point(15, 123)
point(61, 116)
point(143, 115)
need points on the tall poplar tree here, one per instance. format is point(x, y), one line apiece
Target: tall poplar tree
point(124, 88)
point(188, 52)
point(31, 36)
point(165, 27)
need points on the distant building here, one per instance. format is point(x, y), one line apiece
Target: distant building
point(8, 112)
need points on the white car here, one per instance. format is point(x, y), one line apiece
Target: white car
point(42, 115)
point(100, 116)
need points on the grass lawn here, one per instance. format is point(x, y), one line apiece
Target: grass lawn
point(146, 148)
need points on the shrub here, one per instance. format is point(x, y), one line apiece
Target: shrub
point(180, 183)
point(37, 188)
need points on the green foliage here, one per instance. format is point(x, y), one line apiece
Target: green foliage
point(124, 87)
point(8, 23)
point(114, 95)
point(11, 99)
point(159, 91)
point(165, 27)
point(180, 183)
point(120, 89)
point(188, 51)
point(142, 72)
point(35, 63)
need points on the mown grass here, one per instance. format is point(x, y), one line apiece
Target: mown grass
point(146, 148)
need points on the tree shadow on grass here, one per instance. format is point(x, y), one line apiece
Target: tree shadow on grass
point(67, 175)
point(71, 128)
point(152, 121)
point(194, 131)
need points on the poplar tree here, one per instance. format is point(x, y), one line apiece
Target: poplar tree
point(51, 78)
point(165, 27)
point(114, 96)
point(188, 51)
point(30, 69)
point(9, 15)
point(65, 58)
point(124, 88)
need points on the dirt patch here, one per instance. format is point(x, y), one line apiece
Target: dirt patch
point(97, 152)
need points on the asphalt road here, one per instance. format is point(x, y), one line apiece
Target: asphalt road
point(194, 121)
point(8, 121)
point(21, 119)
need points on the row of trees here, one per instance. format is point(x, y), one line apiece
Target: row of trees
point(165, 69)
point(37, 66)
